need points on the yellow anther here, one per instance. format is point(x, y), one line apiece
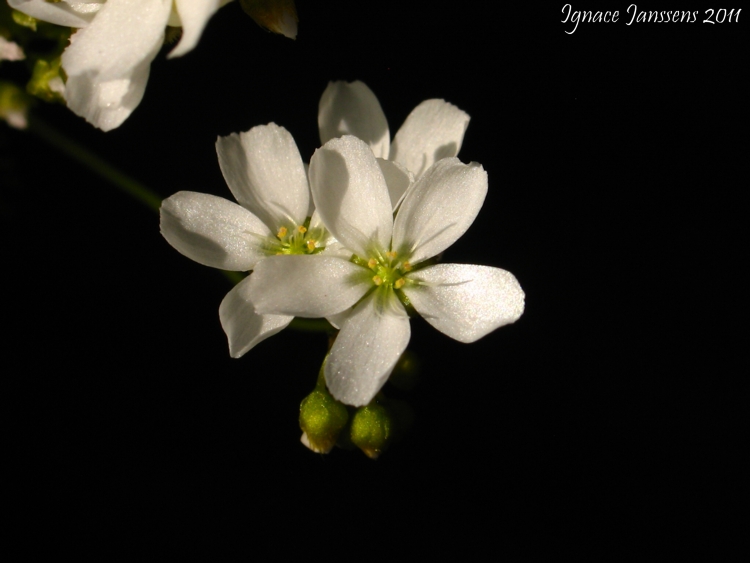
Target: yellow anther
point(377, 280)
point(399, 283)
point(282, 232)
point(406, 267)
point(311, 245)
point(301, 229)
point(392, 254)
point(372, 263)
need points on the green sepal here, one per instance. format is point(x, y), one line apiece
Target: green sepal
point(24, 21)
point(44, 78)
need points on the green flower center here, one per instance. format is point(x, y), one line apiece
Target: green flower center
point(389, 271)
point(298, 239)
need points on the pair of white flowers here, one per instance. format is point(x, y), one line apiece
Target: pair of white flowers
point(107, 62)
point(347, 258)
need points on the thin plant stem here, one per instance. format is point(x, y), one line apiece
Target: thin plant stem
point(125, 183)
point(78, 152)
point(138, 191)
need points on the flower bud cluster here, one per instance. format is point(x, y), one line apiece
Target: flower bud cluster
point(326, 422)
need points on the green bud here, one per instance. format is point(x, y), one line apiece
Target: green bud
point(46, 81)
point(321, 418)
point(371, 429)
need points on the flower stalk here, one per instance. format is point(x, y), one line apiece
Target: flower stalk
point(99, 166)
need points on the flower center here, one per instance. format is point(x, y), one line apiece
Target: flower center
point(388, 270)
point(298, 240)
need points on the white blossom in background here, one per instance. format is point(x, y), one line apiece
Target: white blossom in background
point(10, 51)
point(273, 216)
point(365, 295)
point(14, 105)
point(433, 130)
point(107, 62)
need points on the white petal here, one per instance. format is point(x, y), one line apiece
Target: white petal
point(397, 178)
point(194, 15)
point(213, 231)
point(338, 319)
point(10, 51)
point(311, 205)
point(433, 130)
point(119, 38)
point(332, 246)
point(351, 195)
point(264, 170)
point(466, 301)
point(107, 63)
point(243, 326)
point(106, 104)
point(60, 13)
point(315, 221)
point(351, 108)
point(368, 346)
point(439, 208)
point(307, 286)
point(335, 248)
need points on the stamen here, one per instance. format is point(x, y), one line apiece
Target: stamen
point(392, 254)
point(372, 263)
point(406, 267)
point(399, 283)
point(377, 280)
point(311, 245)
point(301, 229)
point(282, 232)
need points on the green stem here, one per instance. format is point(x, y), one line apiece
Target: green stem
point(127, 184)
point(138, 191)
point(124, 182)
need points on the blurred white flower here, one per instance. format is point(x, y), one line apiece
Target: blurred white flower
point(14, 105)
point(10, 51)
point(107, 62)
point(265, 173)
point(365, 295)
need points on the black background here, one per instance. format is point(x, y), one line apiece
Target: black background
point(613, 411)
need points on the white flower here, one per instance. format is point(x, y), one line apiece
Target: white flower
point(265, 173)
point(433, 130)
point(10, 51)
point(365, 295)
point(108, 59)
point(14, 105)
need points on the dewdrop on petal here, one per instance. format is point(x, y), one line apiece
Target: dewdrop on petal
point(279, 16)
